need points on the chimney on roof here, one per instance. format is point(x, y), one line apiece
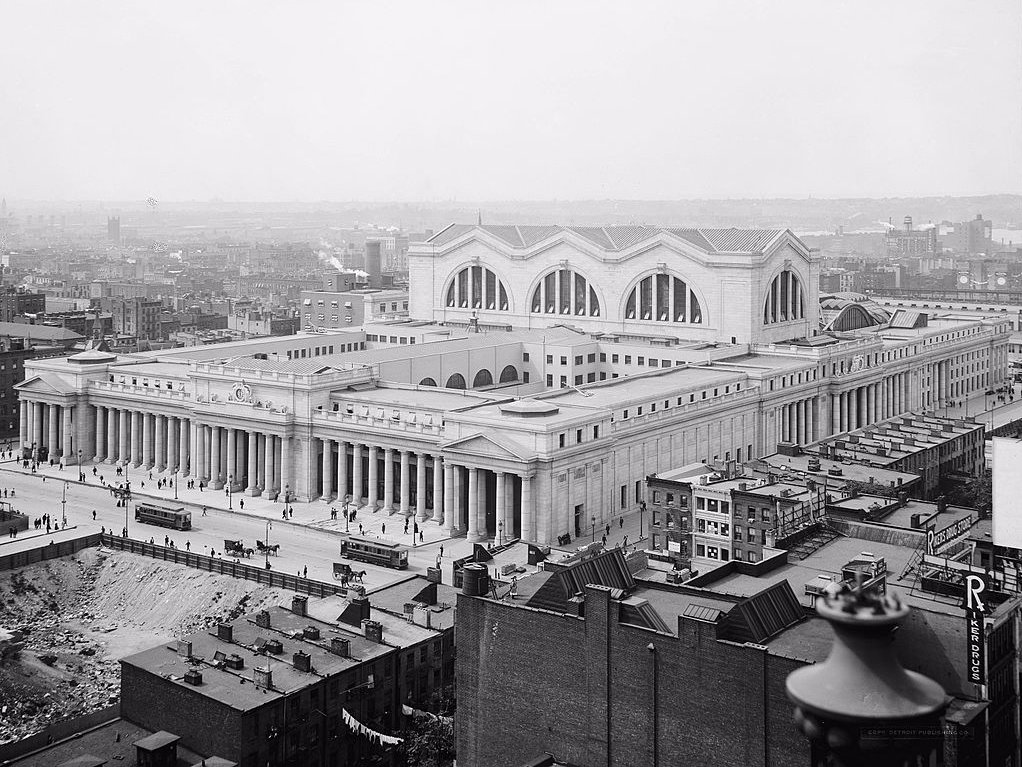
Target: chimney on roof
point(263, 677)
point(263, 619)
point(310, 632)
point(302, 661)
point(340, 646)
point(184, 648)
point(225, 632)
point(193, 677)
point(373, 631)
point(357, 610)
point(299, 605)
point(577, 606)
point(941, 504)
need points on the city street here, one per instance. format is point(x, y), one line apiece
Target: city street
point(308, 539)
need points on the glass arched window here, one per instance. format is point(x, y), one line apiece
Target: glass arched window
point(565, 292)
point(785, 300)
point(476, 287)
point(663, 298)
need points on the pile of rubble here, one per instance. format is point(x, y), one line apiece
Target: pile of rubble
point(66, 622)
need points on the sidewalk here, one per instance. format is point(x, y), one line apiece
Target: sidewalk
point(315, 514)
point(28, 535)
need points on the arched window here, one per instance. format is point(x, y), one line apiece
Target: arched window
point(663, 298)
point(785, 300)
point(456, 381)
point(483, 378)
point(509, 374)
point(564, 291)
point(476, 287)
point(427, 382)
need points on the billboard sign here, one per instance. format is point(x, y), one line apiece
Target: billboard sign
point(1007, 511)
point(976, 587)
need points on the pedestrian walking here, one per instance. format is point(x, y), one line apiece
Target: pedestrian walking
point(621, 522)
point(360, 528)
point(383, 528)
point(241, 503)
point(608, 530)
point(203, 511)
point(93, 515)
point(441, 550)
point(305, 572)
point(188, 545)
point(420, 536)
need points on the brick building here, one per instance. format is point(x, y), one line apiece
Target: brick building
point(139, 317)
point(18, 301)
point(276, 687)
point(636, 670)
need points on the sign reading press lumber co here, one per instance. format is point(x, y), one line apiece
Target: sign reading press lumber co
point(938, 540)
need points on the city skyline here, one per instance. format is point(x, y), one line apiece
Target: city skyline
point(457, 101)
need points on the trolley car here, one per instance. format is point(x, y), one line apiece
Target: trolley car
point(165, 516)
point(376, 552)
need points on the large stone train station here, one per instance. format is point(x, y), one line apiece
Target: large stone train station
point(544, 372)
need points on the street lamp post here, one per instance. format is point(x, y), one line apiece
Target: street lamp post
point(500, 532)
point(177, 479)
point(81, 474)
point(345, 507)
point(642, 508)
point(594, 527)
point(63, 506)
point(269, 526)
point(230, 495)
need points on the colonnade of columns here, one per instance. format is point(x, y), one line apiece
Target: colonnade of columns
point(481, 502)
point(49, 426)
point(869, 403)
point(800, 421)
point(149, 440)
point(248, 461)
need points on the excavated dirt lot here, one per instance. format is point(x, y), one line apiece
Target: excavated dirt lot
point(73, 618)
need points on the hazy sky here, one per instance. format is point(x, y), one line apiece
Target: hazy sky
point(431, 100)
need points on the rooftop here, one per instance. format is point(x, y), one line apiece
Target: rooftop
point(613, 238)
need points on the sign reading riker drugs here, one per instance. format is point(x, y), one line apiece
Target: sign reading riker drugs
point(938, 540)
point(975, 636)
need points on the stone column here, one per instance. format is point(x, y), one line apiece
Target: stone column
point(53, 441)
point(190, 455)
point(388, 481)
point(136, 439)
point(447, 512)
point(357, 475)
point(327, 471)
point(481, 524)
point(420, 487)
point(173, 433)
point(269, 471)
point(67, 448)
point(260, 475)
point(286, 476)
point(509, 507)
point(473, 504)
point(99, 453)
point(117, 435)
point(231, 473)
point(528, 512)
point(23, 407)
point(373, 489)
point(215, 481)
point(37, 424)
point(438, 489)
point(342, 470)
point(501, 506)
point(406, 483)
point(160, 451)
point(253, 464)
point(147, 440)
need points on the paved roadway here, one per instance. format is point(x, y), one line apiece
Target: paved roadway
point(308, 539)
point(311, 540)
